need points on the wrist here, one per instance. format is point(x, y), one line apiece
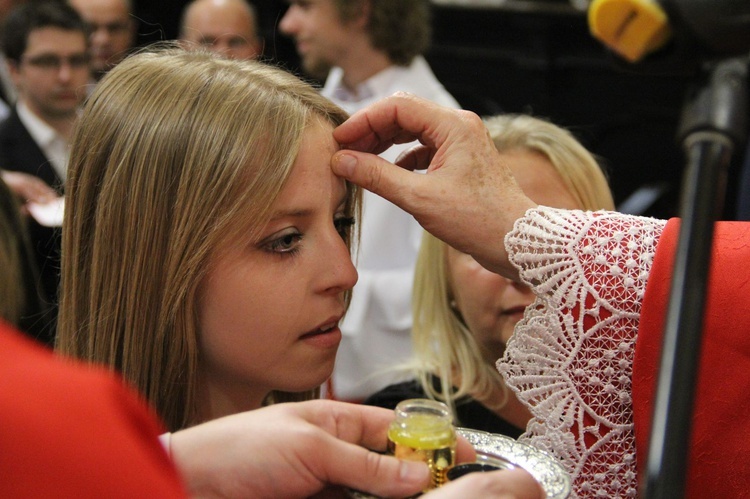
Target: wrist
point(166, 442)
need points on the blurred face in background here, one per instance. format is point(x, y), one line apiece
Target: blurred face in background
point(490, 304)
point(321, 38)
point(52, 74)
point(113, 31)
point(227, 27)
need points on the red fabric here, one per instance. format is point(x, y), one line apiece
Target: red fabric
point(72, 431)
point(720, 442)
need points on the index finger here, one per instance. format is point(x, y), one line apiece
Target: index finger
point(398, 119)
point(365, 425)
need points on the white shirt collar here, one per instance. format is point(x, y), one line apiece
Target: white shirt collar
point(41, 132)
point(376, 85)
point(52, 144)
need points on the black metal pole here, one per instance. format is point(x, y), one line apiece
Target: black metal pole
point(714, 124)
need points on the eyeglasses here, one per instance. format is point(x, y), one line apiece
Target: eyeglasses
point(55, 62)
point(231, 41)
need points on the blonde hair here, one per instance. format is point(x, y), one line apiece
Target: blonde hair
point(443, 345)
point(174, 152)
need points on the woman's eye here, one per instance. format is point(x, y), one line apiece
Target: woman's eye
point(286, 243)
point(343, 225)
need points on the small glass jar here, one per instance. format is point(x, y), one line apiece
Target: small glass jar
point(423, 431)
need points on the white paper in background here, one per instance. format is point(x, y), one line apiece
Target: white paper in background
point(48, 214)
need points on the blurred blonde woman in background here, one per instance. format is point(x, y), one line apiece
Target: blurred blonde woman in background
point(465, 314)
point(206, 240)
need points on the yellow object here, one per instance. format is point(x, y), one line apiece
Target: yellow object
point(632, 28)
point(423, 431)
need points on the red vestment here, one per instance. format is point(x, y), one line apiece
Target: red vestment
point(720, 439)
point(69, 430)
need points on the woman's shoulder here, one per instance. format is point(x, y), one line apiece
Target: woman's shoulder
point(473, 414)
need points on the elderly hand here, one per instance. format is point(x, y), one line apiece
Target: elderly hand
point(468, 198)
point(505, 484)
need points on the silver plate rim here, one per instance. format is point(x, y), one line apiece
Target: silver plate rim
point(542, 466)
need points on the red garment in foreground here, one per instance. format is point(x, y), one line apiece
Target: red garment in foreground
point(720, 442)
point(71, 431)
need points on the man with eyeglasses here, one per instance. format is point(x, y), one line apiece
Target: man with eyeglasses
point(112, 32)
point(46, 47)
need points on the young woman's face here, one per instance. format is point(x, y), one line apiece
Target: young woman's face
point(270, 309)
point(491, 305)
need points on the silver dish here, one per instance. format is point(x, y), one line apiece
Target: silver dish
point(506, 453)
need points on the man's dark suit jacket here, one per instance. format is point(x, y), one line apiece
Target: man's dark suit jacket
point(19, 152)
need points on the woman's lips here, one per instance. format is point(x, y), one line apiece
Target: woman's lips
point(324, 337)
point(321, 330)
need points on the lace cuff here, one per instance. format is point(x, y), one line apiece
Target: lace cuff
point(570, 358)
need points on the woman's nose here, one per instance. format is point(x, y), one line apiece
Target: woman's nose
point(341, 275)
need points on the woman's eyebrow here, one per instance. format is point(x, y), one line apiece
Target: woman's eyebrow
point(291, 213)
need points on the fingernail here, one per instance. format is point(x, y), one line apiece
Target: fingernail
point(345, 164)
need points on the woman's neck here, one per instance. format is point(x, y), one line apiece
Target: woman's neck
point(215, 399)
point(503, 402)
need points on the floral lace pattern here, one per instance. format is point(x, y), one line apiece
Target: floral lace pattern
point(570, 358)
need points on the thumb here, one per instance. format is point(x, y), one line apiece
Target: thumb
point(377, 175)
point(359, 468)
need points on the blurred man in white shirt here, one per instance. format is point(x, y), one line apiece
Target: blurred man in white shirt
point(369, 49)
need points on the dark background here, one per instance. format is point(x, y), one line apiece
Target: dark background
point(537, 57)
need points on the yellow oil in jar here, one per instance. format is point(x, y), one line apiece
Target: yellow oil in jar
point(423, 431)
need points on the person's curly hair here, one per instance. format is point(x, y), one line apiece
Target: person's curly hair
point(401, 28)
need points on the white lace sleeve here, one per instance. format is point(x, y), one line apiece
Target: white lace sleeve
point(570, 358)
